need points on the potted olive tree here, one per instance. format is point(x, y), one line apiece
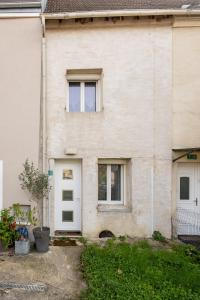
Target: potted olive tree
point(24, 219)
point(36, 183)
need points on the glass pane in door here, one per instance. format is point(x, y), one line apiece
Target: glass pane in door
point(184, 188)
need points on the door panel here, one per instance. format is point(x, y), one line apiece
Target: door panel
point(188, 196)
point(68, 196)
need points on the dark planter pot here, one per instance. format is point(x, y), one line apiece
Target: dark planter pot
point(41, 236)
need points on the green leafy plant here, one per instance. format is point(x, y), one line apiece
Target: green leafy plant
point(8, 233)
point(36, 183)
point(157, 236)
point(26, 217)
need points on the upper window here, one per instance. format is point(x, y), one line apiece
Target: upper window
point(82, 96)
point(83, 90)
point(111, 183)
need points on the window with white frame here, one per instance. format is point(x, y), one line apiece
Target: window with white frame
point(111, 183)
point(83, 90)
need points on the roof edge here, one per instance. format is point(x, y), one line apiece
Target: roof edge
point(118, 13)
point(20, 5)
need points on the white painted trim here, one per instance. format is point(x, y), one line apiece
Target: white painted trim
point(82, 96)
point(1, 184)
point(119, 13)
point(19, 15)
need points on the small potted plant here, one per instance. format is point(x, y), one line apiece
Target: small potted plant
point(8, 233)
point(36, 183)
point(23, 220)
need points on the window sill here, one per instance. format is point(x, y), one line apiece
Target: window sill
point(113, 208)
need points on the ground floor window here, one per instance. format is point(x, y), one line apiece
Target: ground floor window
point(111, 178)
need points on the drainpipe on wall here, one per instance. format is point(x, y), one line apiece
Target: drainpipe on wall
point(43, 117)
point(152, 199)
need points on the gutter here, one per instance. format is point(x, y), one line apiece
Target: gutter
point(20, 5)
point(119, 13)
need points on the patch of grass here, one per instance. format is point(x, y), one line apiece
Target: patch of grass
point(138, 272)
point(122, 238)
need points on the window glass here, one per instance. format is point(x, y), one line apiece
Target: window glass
point(102, 178)
point(184, 188)
point(90, 96)
point(74, 96)
point(67, 195)
point(67, 216)
point(116, 182)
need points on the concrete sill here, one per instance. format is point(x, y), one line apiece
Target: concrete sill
point(113, 208)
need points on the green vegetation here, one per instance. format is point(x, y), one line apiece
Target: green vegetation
point(121, 271)
point(36, 183)
point(157, 236)
point(8, 233)
point(82, 240)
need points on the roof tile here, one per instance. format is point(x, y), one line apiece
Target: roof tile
point(56, 6)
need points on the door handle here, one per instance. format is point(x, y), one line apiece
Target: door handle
point(196, 201)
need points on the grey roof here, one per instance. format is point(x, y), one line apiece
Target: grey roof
point(56, 6)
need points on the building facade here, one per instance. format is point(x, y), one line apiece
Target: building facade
point(107, 102)
point(20, 92)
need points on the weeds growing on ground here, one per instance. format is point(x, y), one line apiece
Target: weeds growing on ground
point(139, 272)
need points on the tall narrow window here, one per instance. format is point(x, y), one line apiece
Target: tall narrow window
point(90, 96)
point(115, 182)
point(102, 191)
point(184, 188)
point(74, 96)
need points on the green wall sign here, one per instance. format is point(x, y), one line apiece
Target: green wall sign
point(192, 156)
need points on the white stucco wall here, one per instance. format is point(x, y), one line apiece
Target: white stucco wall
point(20, 78)
point(135, 122)
point(186, 74)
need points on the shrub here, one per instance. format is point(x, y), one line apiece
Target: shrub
point(8, 233)
point(157, 236)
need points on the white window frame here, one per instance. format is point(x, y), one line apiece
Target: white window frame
point(123, 183)
point(83, 76)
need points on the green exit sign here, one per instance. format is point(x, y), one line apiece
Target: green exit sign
point(192, 156)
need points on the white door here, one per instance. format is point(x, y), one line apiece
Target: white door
point(68, 195)
point(188, 198)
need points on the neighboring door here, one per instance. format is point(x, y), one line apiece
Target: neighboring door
point(188, 198)
point(68, 195)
